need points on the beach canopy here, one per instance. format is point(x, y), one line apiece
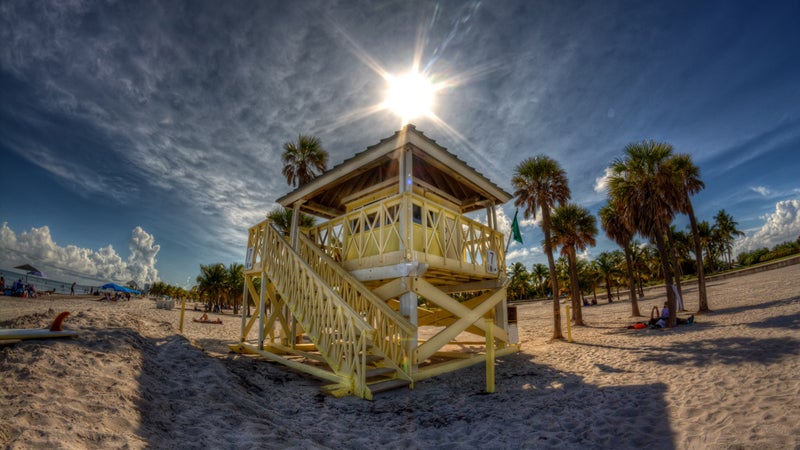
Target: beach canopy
point(119, 288)
point(30, 270)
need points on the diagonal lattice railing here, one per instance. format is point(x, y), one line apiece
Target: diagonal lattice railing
point(374, 231)
point(338, 331)
point(392, 331)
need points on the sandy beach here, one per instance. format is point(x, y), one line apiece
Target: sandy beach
point(130, 380)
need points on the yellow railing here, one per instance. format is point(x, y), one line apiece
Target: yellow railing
point(437, 235)
point(339, 332)
point(391, 330)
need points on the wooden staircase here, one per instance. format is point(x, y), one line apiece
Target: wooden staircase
point(362, 340)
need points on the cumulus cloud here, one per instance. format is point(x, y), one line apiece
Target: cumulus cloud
point(780, 226)
point(36, 246)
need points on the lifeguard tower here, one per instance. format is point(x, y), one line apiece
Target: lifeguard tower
point(397, 285)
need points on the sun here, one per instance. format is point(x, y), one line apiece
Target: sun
point(410, 95)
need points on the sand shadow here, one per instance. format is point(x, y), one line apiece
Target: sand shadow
point(765, 305)
point(729, 351)
point(188, 399)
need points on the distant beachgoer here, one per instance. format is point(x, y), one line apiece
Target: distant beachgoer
point(72, 289)
point(2, 284)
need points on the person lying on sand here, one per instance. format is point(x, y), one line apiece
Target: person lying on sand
point(204, 319)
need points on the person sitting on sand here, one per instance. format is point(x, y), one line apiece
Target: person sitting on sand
point(204, 317)
point(662, 321)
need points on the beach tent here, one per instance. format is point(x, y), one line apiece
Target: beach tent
point(119, 288)
point(30, 270)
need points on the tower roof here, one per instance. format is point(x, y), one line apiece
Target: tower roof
point(377, 166)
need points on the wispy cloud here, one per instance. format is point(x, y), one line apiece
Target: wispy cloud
point(761, 190)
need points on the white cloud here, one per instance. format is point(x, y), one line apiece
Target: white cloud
point(780, 226)
point(761, 190)
point(601, 183)
point(36, 246)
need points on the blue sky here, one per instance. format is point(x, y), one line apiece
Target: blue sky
point(139, 139)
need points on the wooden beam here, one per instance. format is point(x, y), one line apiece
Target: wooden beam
point(461, 310)
point(482, 285)
point(403, 269)
point(317, 372)
point(445, 336)
point(450, 366)
point(392, 289)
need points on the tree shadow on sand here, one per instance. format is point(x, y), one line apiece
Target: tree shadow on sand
point(765, 305)
point(730, 351)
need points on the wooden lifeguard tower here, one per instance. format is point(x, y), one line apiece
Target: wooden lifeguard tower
point(383, 293)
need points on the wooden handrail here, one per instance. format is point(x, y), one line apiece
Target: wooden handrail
point(392, 330)
point(339, 332)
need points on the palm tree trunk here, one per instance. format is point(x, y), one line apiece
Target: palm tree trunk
point(608, 290)
point(551, 263)
point(631, 284)
point(675, 265)
point(575, 289)
point(698, 256)
point(664, 255)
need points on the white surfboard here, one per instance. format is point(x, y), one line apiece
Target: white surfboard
point(34, 333)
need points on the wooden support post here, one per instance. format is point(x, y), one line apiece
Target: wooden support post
point(489, 355)
point(262, 301)
point(183, 308)
point(244, 308)
point(408, 309)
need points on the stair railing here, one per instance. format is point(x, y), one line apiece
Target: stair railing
point(339, 332)
point(392, 331)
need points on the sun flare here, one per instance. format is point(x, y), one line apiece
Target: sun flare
point(410, 95)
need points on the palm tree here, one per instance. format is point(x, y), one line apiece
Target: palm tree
point(641, 189)
point(727, 231)
point(282, 219)
point(574, 229)
point(607, 264)
point(303, 160)
point(616, 229)
point(539, 275)
point(541, 183)
point(234, 283)
point(673, 248)
point(690, 183)
point(706, 243)
point(212, 282)
point(519, 281)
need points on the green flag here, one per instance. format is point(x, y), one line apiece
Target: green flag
point(515, 229)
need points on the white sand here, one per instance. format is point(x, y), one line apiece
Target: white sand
point(130, 380)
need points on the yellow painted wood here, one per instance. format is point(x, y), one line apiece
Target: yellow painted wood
point(454, 307)
point(451, 366)
point(445, 336)
point(489, 356)
point(440, 234)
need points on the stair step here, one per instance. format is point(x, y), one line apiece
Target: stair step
point(373, 358)
point(388, 385)
point(378, 371)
